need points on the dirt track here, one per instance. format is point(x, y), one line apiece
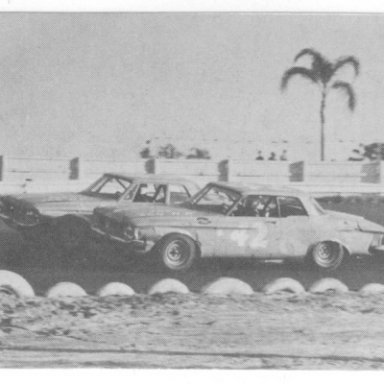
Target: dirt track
point(194, 331)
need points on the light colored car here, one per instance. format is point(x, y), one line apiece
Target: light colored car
point(224, 220)
point(67, 216)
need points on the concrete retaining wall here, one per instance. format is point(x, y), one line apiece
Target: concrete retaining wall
point(19, 174)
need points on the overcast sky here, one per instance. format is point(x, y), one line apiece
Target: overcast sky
point(99, 85)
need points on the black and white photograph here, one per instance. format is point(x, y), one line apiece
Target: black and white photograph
point(192, 190)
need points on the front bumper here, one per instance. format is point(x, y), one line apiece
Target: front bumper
point(136, 246)
point(10, 221)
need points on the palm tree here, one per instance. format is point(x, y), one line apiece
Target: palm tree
point(322, 72)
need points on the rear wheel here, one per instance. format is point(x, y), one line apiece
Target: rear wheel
point(177, 253)
point(327, 255)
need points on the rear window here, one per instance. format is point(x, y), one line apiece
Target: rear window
point(257, 206)
point(177, 194)
point(291, 206)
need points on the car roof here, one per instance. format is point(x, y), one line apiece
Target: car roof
point(151, 178)
point(265, 189)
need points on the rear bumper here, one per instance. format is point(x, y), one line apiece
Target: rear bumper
point(135, 246)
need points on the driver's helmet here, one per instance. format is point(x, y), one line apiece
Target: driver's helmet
point(255, 206)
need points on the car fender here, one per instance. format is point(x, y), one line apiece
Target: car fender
point(333, 240)
point(175, 231)
point(73, 217)
point(162, 232)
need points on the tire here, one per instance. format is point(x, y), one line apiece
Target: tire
point(284, 284)
point(327, 255)
point(65, 289)
point(177, 253)
point(13, 284)
point(168, 286)
point(226, 286)
point(115, 289)
point(328, 285)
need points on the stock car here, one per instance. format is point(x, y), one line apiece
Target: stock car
point(67, 216)
point(224, 220)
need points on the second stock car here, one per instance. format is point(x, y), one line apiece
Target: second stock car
point(224, 220)
point(66, 216)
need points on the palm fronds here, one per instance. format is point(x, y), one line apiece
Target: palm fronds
point(347, 60)
point(297, 71)
point(348, 90)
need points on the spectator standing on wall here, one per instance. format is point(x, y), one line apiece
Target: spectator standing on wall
point(272, 156)
point(356, 156)
point(145, 153)
point(283, 156)
point(259, 156)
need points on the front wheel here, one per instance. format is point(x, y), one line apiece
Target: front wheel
point(327, 255)
point(177, 253)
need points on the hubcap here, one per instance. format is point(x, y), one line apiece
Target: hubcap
point(176, 254)
point(326, 255)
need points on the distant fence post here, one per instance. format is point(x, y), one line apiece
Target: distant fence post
point(224, 168)
point(74, 169)
point(2, 167)
point(150, 165)
point(381, 171)
point(371, 172)
point(297, 171)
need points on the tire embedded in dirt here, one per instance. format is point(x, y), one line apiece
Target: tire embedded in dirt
point(226, 286)
point(284, 284)
point(13, 284)
point(66, 289)
point(328, 285)
point(115, 289)
point(168, 286)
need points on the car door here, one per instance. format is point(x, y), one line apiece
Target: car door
point(295, 226)
point(248, 232)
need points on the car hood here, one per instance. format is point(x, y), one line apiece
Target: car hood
point(150, 213)
point(55, 204)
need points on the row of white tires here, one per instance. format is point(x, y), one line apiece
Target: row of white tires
point(12, 283)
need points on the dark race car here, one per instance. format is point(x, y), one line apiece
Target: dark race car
point(225, 220)
point(67, 216)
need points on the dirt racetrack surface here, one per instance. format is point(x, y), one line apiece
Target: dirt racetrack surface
point(194, 331)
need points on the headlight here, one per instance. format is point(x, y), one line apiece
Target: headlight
point(31, 217)
point(129, 232)
point(2, 207)
point(377, 240)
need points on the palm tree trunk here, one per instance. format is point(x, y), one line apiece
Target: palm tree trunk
point(322, 125)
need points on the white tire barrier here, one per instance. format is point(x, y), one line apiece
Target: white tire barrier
point(115, 289)
point(328, 284)
point(372, 289)
point(66, 289)
point(168, 286)
point(11, 282)
point(284, 284)
point(226, 286)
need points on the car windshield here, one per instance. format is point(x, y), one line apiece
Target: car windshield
point(214, 198)
point(316, 208)
point(108, 187)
